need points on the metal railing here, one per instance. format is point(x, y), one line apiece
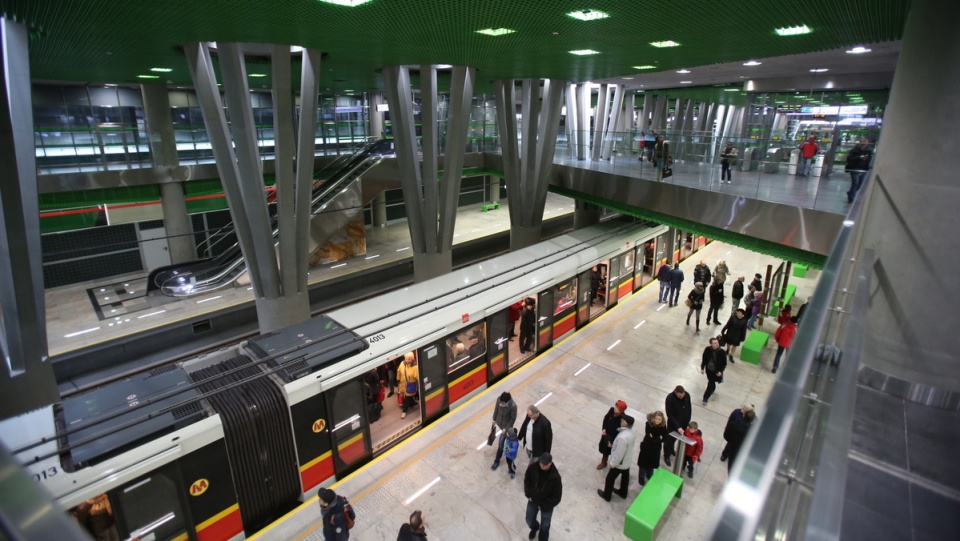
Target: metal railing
point(789, 478)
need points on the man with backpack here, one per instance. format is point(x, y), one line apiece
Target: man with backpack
point(337, 515)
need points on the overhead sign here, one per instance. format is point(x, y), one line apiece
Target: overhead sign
point(853, 109)
point(789, 108)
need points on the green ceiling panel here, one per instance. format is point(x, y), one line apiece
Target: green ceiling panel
point(117, 40)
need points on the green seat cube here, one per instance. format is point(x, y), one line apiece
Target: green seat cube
point(650, 505)
point(800, 271)
point(755, 342)
point(791, 290)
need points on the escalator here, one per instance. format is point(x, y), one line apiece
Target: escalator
point(335, 201)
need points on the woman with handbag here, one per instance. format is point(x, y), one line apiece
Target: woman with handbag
point(695, 303)
point(408, 377)
point(735, 332)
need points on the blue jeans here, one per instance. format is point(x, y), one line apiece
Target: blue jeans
point(776, 359)
point(751, 323)
point(544, 524)
point(674, 294)
point(658, 163)
point(664, 291)
point(856, 181)
point(804, 167)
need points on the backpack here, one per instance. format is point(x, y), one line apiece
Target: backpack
point(349, 514)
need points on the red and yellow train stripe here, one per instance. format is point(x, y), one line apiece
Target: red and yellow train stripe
point(351, 450)
point(433, 402)
point(223, 525)
point(467, 383)
point(625, 289)
point(497, 365)
point(317, 470)
point(564, 324)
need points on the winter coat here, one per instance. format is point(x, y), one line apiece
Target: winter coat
point(701, 273)
point(784, 317)
point(664, 273)
point(859, 158)
point(696, 449)
point(696, 298)
point(720, 272)
point(678, 411)
point(334, 521)
point(737, 292)
point(407, 534)
point(785, 334)
point(510, 447)
point(755, 306)
point(514, 311)
point(719, 358)
point(408, 373)
point(545, 488)
point(528, 321)
point(716, 294)
point(505, 416)
point(661, 150)
point(542, 435)
point(676, 277)
point(757, 285)
point(622, 451)
point(735, 331)
point(728, 154)
point(734, 434)
point(650, 446)
point(809, 149)
point(611, 424)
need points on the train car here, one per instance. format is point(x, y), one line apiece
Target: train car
point(217, 447)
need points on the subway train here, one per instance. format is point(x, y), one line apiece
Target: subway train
point(218, 446)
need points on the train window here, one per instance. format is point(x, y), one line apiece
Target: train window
point(96, 517)
point(626, 264)
point(565, 296)
point(466, 345)
point(149, 508)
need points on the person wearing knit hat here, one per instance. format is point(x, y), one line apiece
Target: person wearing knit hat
point(504, 417)
point(621, 455)
point(334, 515)
point(608, 431)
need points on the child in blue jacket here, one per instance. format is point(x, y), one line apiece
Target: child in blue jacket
point(510, 446)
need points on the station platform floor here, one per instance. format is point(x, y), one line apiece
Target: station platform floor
point(84, 314)
point(638, 352)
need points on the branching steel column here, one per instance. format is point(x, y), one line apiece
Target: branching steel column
point(430, 142)
point(306, 146)
point(600, 118)
point(547, 141)
point(286, 182)
point(583, 110)
point(571, 119)
point(506, 98)
point(615, 110)
point(397, 82)
point(26, 382)
point(646, 112)
point(458, 126)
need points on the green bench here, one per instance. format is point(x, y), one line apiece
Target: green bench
point(652, 502)
point(800, 271)
point(791, 290)
point(756, 341)
point(490, 206)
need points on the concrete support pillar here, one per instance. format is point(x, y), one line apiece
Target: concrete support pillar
point(163, 149)
point(379, 207)
point(646, 112)
point(26, 379)
point(376, 99)
point(912, 201)
point(572, 120)
point(583, 110)
point(629, 123)
point(585, 214)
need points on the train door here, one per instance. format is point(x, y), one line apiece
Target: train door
point(645, 266)
point(598, 288)
point(584, 299)
point(677, 243)
point(565, 309)
point(613, 282)
point(151, 507)
point(350, 433)
point(311, 432)
point(545, 320)
point(499, 333)
point(433, 380)
point(466, 352)
point(625, 287)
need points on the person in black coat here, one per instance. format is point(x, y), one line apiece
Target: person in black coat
point(735, 332)
point(735, 433)
point(678, 408)
point(663, 275)
point(654, 436)
point(676, 279)
point(735, 416)
point(736, 293)
point(757, 282)
point(413, 530)
point(696, 303)
point(333, 516)
point(528, 326)
point(713, 363)
point(536, 433)
point(608, 431)
point(544, 489)
point(716, 301)
point(701, 273)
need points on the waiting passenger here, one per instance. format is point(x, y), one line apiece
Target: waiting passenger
point(692, 452)
point(408, 378)
point(654, 436)
point(608, 431)
point(504, 417)
point(334, 515)
point(415, 530)
point(676, 280)
point(536, 433)
point(695, 302)
point(528, 327)
point(735, 332)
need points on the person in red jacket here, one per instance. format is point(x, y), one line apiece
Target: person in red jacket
point(784, 337)
point(692, 452)
point(808, 150)
point(784, 316)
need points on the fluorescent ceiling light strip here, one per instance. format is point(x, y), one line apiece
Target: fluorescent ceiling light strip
point(584, 52)
point(345, 3)
point(793, 30)
point(668, 43)
point(420, 492)
point(577, 373)
point(496, 31)
point(588, 15)
point(644, 67)
point(613, 345)
point(151, 314)
point(541, 401)
point(78, 333)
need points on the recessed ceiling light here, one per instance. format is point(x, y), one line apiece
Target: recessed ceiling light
point(444, 66)
point(496, 31)
point(667, 43)
point(347, 3)
point(793, 30)
point(752, 63)
point(161, 70)
point(109, 86)
point(148, 76)
point(685, 82)
point(731, 89)
point(348, 91)
point(583, 52)
point(859, 50)
point(258, 75)
point(644, 67)
point(819, 70)
point(588, 15)
point(627, 78)
point(683, 71)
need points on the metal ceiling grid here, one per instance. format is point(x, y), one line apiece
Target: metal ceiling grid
point(117, 40)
